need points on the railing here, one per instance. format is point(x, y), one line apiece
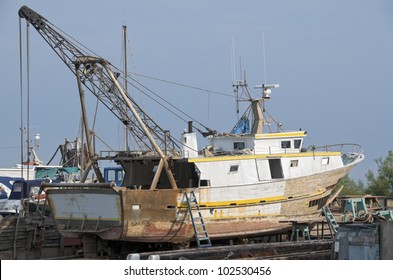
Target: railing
point(346, 148)
point(117, 154)
point(349, 151)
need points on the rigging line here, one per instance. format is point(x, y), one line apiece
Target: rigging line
point(28, 93)
point(182, 144)
point(162, 99)
point(123, 61)
point(72, 39)
point(86, 48)
point(21, 94)
point(140, 75)
point(177, 115)
point(133, 63)
point(183, 85)
point(95, 115)
point(277, 123)
point(81, 45)
point(103, 142)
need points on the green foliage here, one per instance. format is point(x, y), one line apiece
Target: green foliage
point(382, 183)
point(350, 186)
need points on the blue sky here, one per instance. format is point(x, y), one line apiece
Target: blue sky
point(332, 59)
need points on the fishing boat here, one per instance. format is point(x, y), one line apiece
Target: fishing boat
point(248, 182)
point(18, 193)
point(6, 186)
point(36, 169)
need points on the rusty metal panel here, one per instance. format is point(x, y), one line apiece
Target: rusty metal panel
point(153, 216)
point(81, 210)
point(147, 205)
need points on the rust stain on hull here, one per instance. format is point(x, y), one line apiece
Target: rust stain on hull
point(161, 215)
point(154, 216)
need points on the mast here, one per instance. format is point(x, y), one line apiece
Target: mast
point(91, 162)
point(126, 148)
point(258, 110)
point(28, 100)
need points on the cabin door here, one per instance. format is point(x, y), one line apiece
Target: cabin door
point(276, 168)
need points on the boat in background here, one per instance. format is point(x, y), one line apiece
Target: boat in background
point(18, 193)
point(67, 170)
point(6, 186)
point(25, 196)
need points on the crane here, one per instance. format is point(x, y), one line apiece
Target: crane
point(100, 77)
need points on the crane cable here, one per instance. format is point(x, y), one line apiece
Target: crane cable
point(21, 94)
point(165, 101)
point(144, 87)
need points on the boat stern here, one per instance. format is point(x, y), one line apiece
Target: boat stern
point(80, 209)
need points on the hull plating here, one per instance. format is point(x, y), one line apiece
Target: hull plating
point(162, 215)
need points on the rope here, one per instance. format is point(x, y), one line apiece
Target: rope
point(183, 85)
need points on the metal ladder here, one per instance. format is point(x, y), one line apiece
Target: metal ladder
point(330, 219)
point(201, 235)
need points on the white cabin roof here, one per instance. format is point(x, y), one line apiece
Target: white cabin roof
point(266, 143)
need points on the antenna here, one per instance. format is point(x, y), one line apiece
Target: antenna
point(264, 57)
point(266, 90)
point(241, 83)
point(235, 84)
point(233, 60)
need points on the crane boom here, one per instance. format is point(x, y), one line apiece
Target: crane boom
point(100, 78)
point(94, 75)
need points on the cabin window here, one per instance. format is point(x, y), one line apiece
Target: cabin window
point(111, 175)
point(239, 145)
point(294, 163)
point(120, 175)
point(185, 139)
point(204, 183)
point(325, 160)
point(234, 168)
point(285, 144)
point(297, 143)
point(17, 187)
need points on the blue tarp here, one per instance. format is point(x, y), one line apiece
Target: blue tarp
point(242, 126)
point(52, 173)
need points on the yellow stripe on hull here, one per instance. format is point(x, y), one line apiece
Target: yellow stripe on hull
point(282, 134)
point(87, 219)
point(249, 202)
point(246, 157)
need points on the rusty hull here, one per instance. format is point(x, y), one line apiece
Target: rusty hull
point(161, 215)
point(154, 216)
